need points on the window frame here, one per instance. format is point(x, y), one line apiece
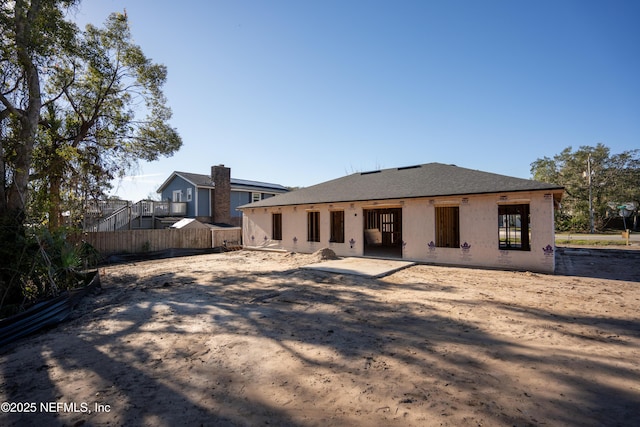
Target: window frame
point(449, 217)
point(516, 238)
point(313, 226)
point(276, 226)
point(336, 225)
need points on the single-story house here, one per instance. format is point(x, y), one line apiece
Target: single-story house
point(434, 213)
point(214, 198)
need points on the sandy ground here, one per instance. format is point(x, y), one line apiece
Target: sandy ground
point(248, 338)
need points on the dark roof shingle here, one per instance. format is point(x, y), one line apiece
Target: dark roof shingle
point(427, 180)
point(202, 180)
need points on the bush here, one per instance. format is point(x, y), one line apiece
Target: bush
point(41, 264)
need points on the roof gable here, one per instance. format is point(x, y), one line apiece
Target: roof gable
point(205, 181)
point(427, 180)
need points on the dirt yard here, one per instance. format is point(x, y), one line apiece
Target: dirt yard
point(248, 338)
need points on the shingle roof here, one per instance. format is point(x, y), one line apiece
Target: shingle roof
point(427, 180)
point(198, 179)
point(202, 180)
point(256, 184)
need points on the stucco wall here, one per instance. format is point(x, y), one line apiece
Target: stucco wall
point(478, 230)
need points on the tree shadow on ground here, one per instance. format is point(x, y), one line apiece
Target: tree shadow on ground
point(328, 327)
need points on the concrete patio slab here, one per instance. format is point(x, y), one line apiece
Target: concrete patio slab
point(369, 267)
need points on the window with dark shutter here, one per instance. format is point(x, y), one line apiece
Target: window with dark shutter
point(448, 227)
point(337, 227)
point(276, 220)
point(313, 226)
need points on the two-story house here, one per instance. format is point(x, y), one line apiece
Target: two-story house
point(214, 198)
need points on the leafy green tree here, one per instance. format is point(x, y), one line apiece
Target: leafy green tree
point(94, 132)
point(33, 34)
point(591, 173)
point(76, 109)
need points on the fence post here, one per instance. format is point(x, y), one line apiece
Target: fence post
point(625, 235)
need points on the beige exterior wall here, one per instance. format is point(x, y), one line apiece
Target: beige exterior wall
point(478, 230)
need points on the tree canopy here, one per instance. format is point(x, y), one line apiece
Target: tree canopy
point(80, 107)
point(77, 108)
point(93, 132)
point(33, 35)
point(614, 180)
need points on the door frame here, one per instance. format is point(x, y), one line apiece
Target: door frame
point(382, 231)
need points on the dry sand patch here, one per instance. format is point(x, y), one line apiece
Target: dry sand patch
point(248, 338)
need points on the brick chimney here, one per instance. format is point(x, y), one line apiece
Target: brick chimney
point(221, 177)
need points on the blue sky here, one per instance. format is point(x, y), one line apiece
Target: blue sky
point(301, 92)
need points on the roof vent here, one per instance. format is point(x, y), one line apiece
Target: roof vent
point(409, 167)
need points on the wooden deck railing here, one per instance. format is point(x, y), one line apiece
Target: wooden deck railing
point(121, 219)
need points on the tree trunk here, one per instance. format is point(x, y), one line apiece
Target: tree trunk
point(54, 184)
point(3, 183)
point(18, 191)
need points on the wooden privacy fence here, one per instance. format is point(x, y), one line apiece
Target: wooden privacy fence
point(138, 241)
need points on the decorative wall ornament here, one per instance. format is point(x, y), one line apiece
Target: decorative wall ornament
point(295, 240)
point(465, 252)
point(432, 246)
point(352, 242)
point(548, 250)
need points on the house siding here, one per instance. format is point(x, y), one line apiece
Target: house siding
point(179, 183)
point(201, 207)
point(204, 207)
point(239, 198)
point(478, 225)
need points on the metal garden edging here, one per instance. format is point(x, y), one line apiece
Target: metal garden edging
point(44, 314)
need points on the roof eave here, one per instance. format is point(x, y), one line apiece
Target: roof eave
point(553, 190)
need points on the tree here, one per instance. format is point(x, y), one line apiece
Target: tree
point(33, 35)
point(93, 133)
point(71, 107)
point(72, 116)
point(614, 179)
